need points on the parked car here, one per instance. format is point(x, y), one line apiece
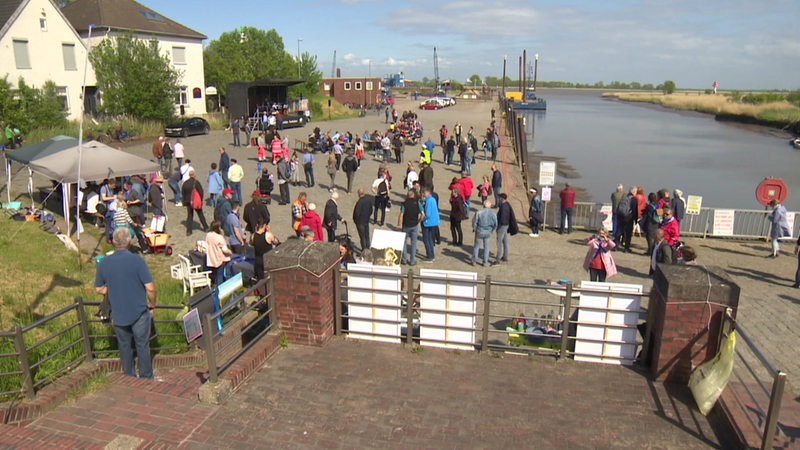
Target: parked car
point(448, 101)
point(187, 127)
point(432, 103)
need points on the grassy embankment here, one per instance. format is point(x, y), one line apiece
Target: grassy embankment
point(777, 114)
point(40, 276)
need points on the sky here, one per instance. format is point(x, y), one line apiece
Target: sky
point(743, 44)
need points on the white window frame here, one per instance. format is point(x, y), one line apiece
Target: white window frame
point(369, 85)
point(176, 51)
point(326, 86)
point(43, 23)
point(68, 51)
point(21, 45)
point(62, 93)
point(347, 86)
point(358, 85)
point(182, 96)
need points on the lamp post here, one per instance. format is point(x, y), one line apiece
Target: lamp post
point(298, 56)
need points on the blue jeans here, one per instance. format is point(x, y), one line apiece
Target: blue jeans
point(566, 218)
point(237, 190)
point(411, 233)
point(797, 274)
point(427, 239)
point(502, 243)
point(614, 225)
point(487, 247)
point(466, 165)
point(496, 193)
point(309, 176)
point(236, 141)
point(176, 191)
point(137, 333)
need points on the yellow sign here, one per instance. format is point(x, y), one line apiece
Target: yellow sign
point(693, 204)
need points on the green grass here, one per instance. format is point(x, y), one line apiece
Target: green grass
point(40, 276)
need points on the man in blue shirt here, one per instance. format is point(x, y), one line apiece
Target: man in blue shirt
point(233, 229)
point(125, 278)
point(430, 222)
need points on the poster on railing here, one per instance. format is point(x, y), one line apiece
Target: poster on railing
point(607, 317)
point(723, 222)
point(693, 204)
point(547, 173)
point(373, 302)
point(604, 215)
point(790, 220)
point(447, 301)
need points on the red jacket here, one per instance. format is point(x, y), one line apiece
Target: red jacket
point(312, 219)
point(567, 197)
point(671, 231)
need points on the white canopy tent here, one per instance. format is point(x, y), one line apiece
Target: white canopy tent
point(58, 159)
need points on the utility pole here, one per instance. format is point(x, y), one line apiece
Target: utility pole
point(299, 40)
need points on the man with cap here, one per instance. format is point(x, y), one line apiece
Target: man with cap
point(224, 206)
point(535, 212)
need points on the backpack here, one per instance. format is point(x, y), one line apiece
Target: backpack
point(383, 189)
point(624, 207)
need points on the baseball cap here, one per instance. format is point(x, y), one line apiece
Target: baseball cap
point(227, 191)
point(532, 190)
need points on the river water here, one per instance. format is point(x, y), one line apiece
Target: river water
point(608, 142)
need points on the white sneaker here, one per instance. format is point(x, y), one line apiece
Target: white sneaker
point(534, 235)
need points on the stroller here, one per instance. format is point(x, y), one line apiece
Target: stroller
point(345, 238)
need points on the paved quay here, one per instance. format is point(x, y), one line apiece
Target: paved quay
point(433, 398)
point(358, 395)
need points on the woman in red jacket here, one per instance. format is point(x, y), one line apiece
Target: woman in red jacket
point(313, 221)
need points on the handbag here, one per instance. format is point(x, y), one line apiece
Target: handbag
point(197, 202)
point(104, 310)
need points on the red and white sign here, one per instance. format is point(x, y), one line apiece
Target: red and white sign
point(723, 222)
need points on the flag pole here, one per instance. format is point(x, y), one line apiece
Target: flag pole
point(80, 146)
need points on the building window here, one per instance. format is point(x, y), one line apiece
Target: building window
point(369, 85)
point(346, 85)
point(326, 87)
point(178, 55)
point(43, 23)
point(63, 98)
point(68, 50)
point(358, 85)
point(21, 54)
point(182, 97)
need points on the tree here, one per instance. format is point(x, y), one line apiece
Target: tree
point(668, 87)
point(475, 79)
point(311, 76)
point(248, 54)
point(135, 78)
point(28, 107)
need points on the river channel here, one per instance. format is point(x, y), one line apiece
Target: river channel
point(608, 142)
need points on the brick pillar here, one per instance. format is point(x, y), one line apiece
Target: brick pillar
point(685, 328)
point(303, 288)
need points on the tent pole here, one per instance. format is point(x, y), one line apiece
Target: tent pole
point(8, 177)
point(80, 148)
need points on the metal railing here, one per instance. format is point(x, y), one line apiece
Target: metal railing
point(756, 384)
point(38, 353)
point(547, 309)
point(748, 223)
point(231, 331)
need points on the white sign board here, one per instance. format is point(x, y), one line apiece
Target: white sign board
point(723, 222)
point(693, 204)
point(383, 239)
point(604, 215)
point(790, 219)
point(448, 301)
point(547, 193)
point(373, 314)
point(547, 173)
point(607, 319)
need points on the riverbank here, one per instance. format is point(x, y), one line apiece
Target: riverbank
point(779, 115)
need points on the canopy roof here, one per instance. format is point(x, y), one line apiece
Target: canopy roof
point(57, 158)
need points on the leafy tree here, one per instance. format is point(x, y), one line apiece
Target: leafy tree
point(28, 107)
point(475, 79)
point(668, 87)
point(249, 54)
point(135, 78)
point(308, 72)
point(425, 81)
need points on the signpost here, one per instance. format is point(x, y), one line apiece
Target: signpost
point(547, 179)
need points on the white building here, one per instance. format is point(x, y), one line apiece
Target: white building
point(38, 44)
point(183, 46)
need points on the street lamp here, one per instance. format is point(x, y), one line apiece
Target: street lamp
point(298, 56)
